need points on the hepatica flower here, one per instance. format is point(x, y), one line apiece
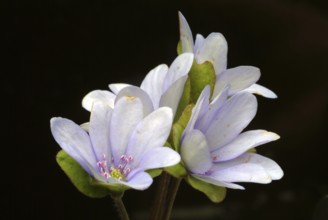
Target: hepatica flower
point(214, 49)
point(163, 84)
point(214, 148)
point(121, 143)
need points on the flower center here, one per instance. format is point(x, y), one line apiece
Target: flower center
point(119, 172)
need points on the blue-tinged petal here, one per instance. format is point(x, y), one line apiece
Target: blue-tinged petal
point(187, 41)
point(74, 141)
point(139, 181)
point(231, 119)
point(270, 166)
point(150, 133)
point(154, 82)
point(99, 131)
point(242, 143)
point(159, 157)
point(214, 50)
point(98, 96)
point(195, 152)
point(204, 122)
point(245, 172)
point(171, 97)
point(261, 90)
point(199, 42)
point(117, 87)
point(200, 108)
point(238, 78)
point(128, 112)
point(214, 181)
point(179, 68)
point(133, 91)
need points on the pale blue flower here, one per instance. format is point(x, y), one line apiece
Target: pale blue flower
point(121, 143)
point(214, 149)
point(214, 49)
point(163, 84)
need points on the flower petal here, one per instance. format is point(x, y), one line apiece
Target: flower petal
point(171, 97)
point(74, 140)
point(199, 43)
point(99, 131)
point(98, 96)
point(214, 181)
point(238, 78)
point(133, 91)
point(231, 119)
point(117, 87)
point(159, 157)
point(200, 108)
point(154, 82)
point(245, 172)
point(128, 112)
point(261, 90)
point(150, 133)
point(195, 153)
point(242, 143)
point(179, 68)
point(214, 50)
point(139, 181)
point(187, 41)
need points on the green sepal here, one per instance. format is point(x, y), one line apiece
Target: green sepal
point(179, 47)
point(79, 177)
point(154, 172)
point(214, 193)
point(178, 170)
point(200, 76)
point(184, 100)
point(252, 150)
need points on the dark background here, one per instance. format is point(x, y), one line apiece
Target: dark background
point(63, 49)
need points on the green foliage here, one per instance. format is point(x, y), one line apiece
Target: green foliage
point(178, 170)
point(214, 193)
point(79, 177)
point(200, 76)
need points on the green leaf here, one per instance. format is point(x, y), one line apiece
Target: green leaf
point(79, 177)
point(154, 172)
point(214, 193)
point(177, 170)
point(200, 76)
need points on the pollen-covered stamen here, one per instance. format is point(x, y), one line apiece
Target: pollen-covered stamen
point(120, 172)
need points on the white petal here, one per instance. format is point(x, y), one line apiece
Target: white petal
point(98, 96)
point(214, 181)
point(212, 110)
point(186, 38)
point(154, 82)
point(117, 87)
point(238, 78)
point(195, 153)
point(231, 119)
point(159, 157)
point(139, 181)
point(99, 131)
point(245, 172)
point(214, 50)
point(74, 141)
point(85, 126)
point(199, 43)
point(242, 143)
point(179, 68)
point(261, 90)
point(128, 112)
point(133, 91)
point(200, 108)
point(150, 133)
point(171, 97)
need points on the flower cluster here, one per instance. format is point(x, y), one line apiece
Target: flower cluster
point(132, 130)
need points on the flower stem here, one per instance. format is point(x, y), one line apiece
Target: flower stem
point(120, 207)
point(165, 197)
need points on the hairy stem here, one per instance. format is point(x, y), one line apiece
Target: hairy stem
point(120, 207)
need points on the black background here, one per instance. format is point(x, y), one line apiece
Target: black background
point(63, 49)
